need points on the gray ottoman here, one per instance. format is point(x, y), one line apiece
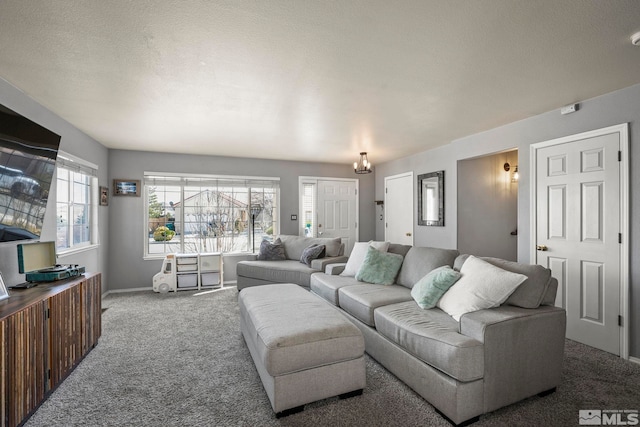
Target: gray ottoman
point(303, 348)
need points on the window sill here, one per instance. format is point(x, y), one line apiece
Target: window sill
point(224, 254)
point(73, 251)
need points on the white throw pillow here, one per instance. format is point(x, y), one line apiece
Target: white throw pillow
point(358, 254)
point(481, 286)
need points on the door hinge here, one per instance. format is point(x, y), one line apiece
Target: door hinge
point(386, 224)
point(48, 313)
point(356, 191)
point(619, 237)
point(48, 374)
point(619, 320)
point(356, 224)
point(386, 190)
point(619, 156)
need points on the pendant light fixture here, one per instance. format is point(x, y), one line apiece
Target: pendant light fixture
point(362, 166)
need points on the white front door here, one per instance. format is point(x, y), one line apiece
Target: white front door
point(578, 221)
point(337, 211)
point(398, 208)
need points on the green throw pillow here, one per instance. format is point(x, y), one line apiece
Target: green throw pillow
point(380, 268)
point(428, 290)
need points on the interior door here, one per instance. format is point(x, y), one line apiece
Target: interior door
point(337, 213)
point(578, 226)
point(398, 208)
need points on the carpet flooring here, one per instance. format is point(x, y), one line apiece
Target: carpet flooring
point(180, 360)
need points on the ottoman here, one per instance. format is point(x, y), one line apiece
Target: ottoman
point(303, 348)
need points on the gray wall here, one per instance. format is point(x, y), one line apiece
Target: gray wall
point(614, 108)
point(80, 145)
point(488, 206)
point(129, 270)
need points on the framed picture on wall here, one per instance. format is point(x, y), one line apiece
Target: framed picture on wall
point(4, 294)
point(126, 187)
point(104, 196)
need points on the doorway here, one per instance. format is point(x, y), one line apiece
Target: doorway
point(580, 231)
point(488, 205)
point(329, 208)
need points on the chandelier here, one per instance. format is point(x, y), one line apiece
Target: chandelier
point(363, 165)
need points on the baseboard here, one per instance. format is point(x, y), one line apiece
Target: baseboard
point(227, 284)
point(634, 360)
point(119, 291)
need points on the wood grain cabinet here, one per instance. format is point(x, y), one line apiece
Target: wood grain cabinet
point(44, 333)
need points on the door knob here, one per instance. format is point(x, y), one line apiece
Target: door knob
point(541, 248)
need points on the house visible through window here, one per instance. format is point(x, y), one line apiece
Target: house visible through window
point(189, 214)
point(76, 203)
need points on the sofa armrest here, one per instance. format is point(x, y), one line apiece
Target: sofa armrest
point(250, 257)
point(335, 269)
point(321, 263)
point(524, 350)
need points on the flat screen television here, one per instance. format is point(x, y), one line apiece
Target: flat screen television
point(28, 155)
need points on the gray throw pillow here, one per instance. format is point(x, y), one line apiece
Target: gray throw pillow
point(272, 251)
point(312, 252)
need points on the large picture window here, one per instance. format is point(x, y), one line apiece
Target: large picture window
point(189, 214)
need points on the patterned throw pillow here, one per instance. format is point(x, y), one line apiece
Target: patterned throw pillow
point(312, 252)
point(272, 251)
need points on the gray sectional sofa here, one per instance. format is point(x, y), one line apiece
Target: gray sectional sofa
point(256, 272)
point(489, 359)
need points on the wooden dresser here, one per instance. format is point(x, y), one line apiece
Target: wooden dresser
point(45, 331)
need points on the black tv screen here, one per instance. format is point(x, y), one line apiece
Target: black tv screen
point(28, 154)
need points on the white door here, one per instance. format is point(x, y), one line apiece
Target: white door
point(398, 208)
point(578, 227)
point(337, 211)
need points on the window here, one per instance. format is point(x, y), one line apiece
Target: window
point(76, 203)
point(309, 208)
point(189, 214)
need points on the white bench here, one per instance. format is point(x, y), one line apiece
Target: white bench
point(303, 348)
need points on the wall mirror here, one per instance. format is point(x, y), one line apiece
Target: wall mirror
point(431, 199)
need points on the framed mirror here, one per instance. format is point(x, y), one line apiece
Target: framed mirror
point(431, 199)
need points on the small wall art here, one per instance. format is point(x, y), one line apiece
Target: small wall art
point(104, 196)
point(126, 187)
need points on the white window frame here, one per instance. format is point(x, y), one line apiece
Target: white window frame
point(75, 164)
point(149, 174)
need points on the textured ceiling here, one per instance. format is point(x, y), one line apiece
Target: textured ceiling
point(311, 80)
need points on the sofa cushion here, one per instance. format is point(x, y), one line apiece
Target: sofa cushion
point(327, 286)
point(312, 252)
point(531, 292)
point(359, 253)
point(360, 301)
point(272, 251)
point(380, 268)
point(428, 290)
point(295, 245)
point(420, 261)
point(396, 248)
point(432, 336)
point(481, 286)
point(287, 271)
